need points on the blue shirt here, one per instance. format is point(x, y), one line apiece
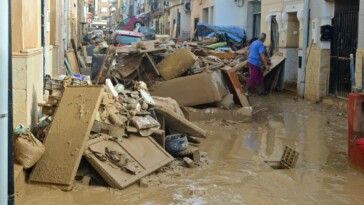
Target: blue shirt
point(255, 50)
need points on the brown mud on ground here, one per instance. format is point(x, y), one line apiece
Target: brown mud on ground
point(235, 172)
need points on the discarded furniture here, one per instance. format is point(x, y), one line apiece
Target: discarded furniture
point(67, 136)
point(122, 162)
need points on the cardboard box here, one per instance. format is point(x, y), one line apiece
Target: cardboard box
point(193, 90)
point(235, 114)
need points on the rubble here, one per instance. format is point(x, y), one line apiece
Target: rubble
point(140, 95)
point(189, 162)
point(67, 135)
point(176, 64)
point(117, 132)
point(194, 89)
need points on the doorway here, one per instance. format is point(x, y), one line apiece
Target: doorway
point(343, 43)
point(205, 15)
point(291, 52)
point(274, 37)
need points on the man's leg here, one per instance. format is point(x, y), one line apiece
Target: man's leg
point(251, 81)
point(260, 82)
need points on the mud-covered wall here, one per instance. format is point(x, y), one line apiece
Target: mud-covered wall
point(317, 73)
point(360, 51)
point(359, 66)
point(27, 86)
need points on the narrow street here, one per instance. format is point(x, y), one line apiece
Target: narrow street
point(233, 170)
point(182, 102)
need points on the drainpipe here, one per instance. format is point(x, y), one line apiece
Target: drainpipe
point(11, 195)
point(4, 65)
point(304, 49)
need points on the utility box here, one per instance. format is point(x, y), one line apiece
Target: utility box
point(327, 32)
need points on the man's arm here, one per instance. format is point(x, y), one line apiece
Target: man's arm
point(265, 60)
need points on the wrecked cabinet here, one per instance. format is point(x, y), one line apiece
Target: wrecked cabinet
point(122, 162)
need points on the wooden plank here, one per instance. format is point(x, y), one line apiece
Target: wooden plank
point(276, 78)
point(236, 88)
point(129, 50)
point(153, 63)
point(68, 67)
point(67, 136)
point(75, 50)
point(112, 130)
point(109, 57)
point(178, 123)
point(226, 55)
point(143, 153)
point(276, 60)
point(73, 62)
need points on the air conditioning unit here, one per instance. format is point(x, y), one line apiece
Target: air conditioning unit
point(187, 6)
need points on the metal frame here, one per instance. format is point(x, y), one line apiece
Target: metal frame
point(344, 43)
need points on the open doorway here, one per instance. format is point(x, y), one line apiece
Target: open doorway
point(274, 37)
point(291, 52)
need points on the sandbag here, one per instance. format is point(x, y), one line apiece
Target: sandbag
point(27, 149)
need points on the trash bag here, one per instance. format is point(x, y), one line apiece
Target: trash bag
point(27, 149)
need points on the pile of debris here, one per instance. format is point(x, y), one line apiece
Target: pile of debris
point(127, 111)
point(120, 132)
point(198, 75)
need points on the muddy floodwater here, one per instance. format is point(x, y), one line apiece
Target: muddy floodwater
point(234, 171)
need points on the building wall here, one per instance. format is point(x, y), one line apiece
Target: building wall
point(30, 60)
point(185, 22)
point(197, 11)
point(56, 26)
point(318, 59)
point(102, 10)
point(290, 30)
point(27, 86)
point(220, 13)
point(229, 14)
point(253, 7)
point(359, 67)
point(360, 51)
point(269, 7)
point(317, 73)
point(178, 6)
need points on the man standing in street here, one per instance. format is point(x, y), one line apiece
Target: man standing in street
point(257, 56)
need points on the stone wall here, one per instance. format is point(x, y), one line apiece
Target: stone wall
point(317, 73)
point(359, 68)
point(27, 86)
